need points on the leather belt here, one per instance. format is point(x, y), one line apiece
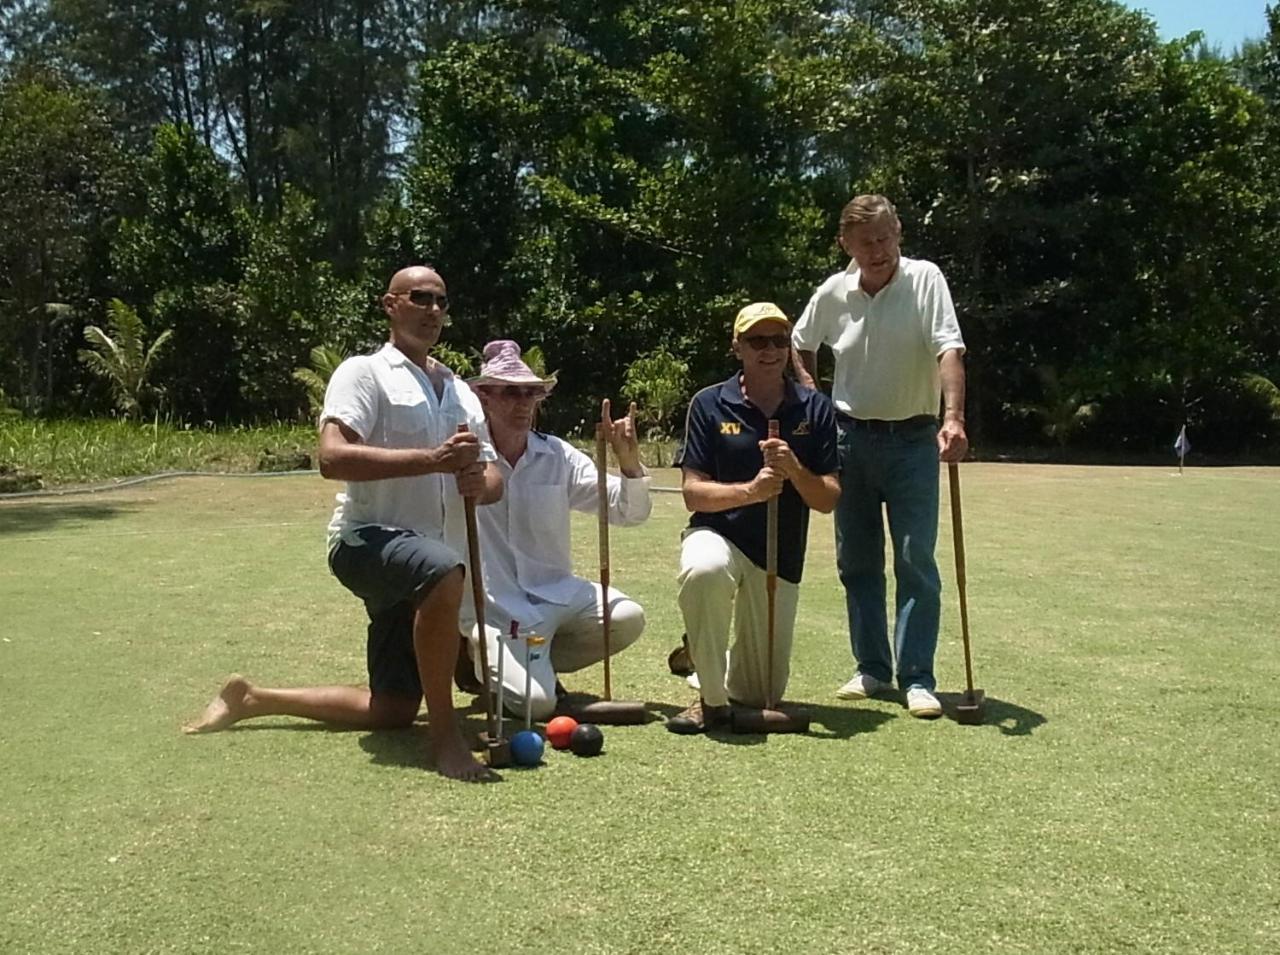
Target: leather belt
point(886, 427)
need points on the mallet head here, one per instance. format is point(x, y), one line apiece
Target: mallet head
point(970, 708)
point(750, 719)
point(497, 753)
point(609, 712)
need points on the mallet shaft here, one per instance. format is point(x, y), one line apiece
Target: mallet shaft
point(477, 597)
point(602, 519)
point(771, 572)
point(957, 533)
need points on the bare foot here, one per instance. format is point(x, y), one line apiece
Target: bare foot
point(454, 761)
point(228, 707)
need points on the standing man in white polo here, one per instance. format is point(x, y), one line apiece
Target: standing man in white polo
point(899, 354)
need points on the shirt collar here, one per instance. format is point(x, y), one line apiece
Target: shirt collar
point(853, 276)
point(538, 443)
point(731, 392)
point(395, 357)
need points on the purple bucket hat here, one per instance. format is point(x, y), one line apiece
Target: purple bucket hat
point(503, 366)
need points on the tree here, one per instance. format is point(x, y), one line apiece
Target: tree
point(315, 379)
point(658, 383)
point(60, 174)
point(121, 357)
point(180, 251)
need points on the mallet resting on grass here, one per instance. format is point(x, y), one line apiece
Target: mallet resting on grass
point(607, 711)
point(770, 718)
point(496, 750)
point(970, 708)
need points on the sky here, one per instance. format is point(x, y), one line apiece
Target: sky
point(1225, 22)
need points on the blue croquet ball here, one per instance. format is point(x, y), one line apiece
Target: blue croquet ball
point(587, 740)
point(526, 748)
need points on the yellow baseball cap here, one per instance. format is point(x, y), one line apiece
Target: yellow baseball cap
point(758, 312)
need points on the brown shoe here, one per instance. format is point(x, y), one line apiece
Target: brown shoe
point(679, 662)
point(698, 717)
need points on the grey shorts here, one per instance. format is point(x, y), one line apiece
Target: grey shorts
point(391, 570)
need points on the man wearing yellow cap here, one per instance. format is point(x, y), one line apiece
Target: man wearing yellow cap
point(730, 468)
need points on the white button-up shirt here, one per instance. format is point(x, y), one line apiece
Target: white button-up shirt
point(390, 403)
point(886, 345)
point(525, 536)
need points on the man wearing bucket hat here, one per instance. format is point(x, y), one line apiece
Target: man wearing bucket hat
point(730, 468)
point(389, 429)
point(899, 355)
point(527, 565)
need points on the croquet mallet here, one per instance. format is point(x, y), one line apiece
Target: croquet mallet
point(769, 718)
point(970, 708)
point(607, 711)
point(497, 751)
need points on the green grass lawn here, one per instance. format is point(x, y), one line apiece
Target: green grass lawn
point(1124, 795)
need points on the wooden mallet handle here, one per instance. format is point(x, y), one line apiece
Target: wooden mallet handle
point(602, 520)
point(771, 570)
point(477, 597)
point(957, 533)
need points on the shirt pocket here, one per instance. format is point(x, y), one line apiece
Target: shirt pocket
point(408, 418)
point(543, 516)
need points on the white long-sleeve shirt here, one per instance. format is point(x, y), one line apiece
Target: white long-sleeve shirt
point(524, 538)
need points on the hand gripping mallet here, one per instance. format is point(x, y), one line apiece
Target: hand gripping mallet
point(969, 709)
point(497, 750)
point(770, 719)
point(607, 711)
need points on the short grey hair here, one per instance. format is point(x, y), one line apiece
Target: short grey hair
point(866, 208)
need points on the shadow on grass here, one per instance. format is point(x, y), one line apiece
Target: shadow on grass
point(31, 518)
point(1009, 718)
point(844, 722)
point(410, 748)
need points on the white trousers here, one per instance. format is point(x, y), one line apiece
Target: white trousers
point(575, 642)
point(719, 586)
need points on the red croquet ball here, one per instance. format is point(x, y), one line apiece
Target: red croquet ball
point(559, 730)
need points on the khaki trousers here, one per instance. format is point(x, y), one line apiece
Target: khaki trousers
point(575, 642)
point(719, 586)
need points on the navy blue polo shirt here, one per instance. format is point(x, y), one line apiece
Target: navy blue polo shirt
point(722, 435)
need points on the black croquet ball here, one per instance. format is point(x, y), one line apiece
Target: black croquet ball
point(587, 740)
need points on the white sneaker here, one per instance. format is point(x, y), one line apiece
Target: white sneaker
point(922, 704)
point(693, 681)
point(860, 687)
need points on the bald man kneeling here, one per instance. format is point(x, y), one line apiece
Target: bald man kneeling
point(397, 537)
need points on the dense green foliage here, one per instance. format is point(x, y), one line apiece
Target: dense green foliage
point(607, 179)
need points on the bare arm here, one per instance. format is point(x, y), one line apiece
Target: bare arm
point(345, 457)
point(953, 443)
point(807, 368)
point(818, 491)
point(707, 496)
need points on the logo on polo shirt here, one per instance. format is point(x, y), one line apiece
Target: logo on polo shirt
point(802, 428)
point(730, 427)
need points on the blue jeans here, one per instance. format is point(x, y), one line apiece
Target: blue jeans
point(900, 471)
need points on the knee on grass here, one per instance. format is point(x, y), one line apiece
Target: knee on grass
point(393, 712)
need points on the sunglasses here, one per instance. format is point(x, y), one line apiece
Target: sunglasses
point(760, 342)
point(424, 298)
point(516, 392)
